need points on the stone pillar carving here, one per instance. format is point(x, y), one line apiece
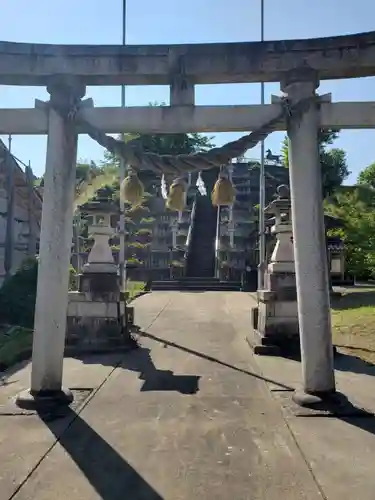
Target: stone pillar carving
point(275, 319)
point(182, 92)
point(309, 239)
point(55, 247)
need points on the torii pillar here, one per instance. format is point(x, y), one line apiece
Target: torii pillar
point(309, 242)
point(55, 249)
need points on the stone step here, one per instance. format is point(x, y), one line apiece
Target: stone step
point(197, 284)
point(210, 279)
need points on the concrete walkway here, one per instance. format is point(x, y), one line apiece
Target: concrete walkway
point(187, 416)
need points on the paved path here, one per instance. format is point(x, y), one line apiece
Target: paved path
point(185, 417)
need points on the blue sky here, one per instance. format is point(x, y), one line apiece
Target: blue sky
point(177, 21)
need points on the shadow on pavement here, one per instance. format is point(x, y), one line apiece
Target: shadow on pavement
point(345, 362)
point(112, 477)
point(140, 361)
point(366, 423)
point(350, 363)
point(167, 343)
point(158, 380)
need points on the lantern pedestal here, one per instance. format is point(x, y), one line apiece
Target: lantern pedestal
point(275, 320)
point(96, 315)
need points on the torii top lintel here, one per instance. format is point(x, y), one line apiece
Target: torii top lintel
point(332, 57)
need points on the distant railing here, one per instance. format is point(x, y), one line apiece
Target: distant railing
point(190, 233)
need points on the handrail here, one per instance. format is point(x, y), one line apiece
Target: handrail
point(191, 226)
point(190, 233)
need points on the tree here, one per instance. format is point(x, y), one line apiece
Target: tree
point(85, 171)
point(355, 207)
point(333, 161)
point(162, 144)
point(367, 176)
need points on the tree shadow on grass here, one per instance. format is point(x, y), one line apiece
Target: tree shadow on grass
point(111, 476)
point(353, 300)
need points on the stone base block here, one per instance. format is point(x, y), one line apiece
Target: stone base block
point(278, 318)
point(275, 328)
point(272, 345)
point(41, 401)
point(93, 325)
point(104, 287)
point(277, 281)
point(281, 267)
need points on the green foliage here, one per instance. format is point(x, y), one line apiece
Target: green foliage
point(18, 294)
point(333, 161)
point(164, 144)
point(334, 169)
point(15, 345)
point(134, 261)
point(73, 278)
point(177, 263)
point(134, 288)
point(85, 171)
point(367, 176)
point(147, 220)
point(82, 172)
point(143, 231)
point(356, 209)
point(137, 244)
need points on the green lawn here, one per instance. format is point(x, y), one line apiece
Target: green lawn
point(353, 322)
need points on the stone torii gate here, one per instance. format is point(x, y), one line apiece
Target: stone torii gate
point(298, 65)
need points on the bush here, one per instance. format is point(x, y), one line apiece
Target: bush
point(73, 278)
point(18, 294)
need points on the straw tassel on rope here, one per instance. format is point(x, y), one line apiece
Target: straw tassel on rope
point(223, 193)
point(177, 195)
point(132, 189)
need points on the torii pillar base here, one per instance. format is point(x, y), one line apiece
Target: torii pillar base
point(44, 401)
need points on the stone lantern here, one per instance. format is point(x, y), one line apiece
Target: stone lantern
point(275, 319)
point(96, 315)
point(100, 273)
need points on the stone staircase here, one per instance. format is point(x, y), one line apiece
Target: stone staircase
point(201, 254)
point(199, 284)
point(200, 262)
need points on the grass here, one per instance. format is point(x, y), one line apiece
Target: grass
point(353, 322)
point(134, 288)
point(88, 190)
